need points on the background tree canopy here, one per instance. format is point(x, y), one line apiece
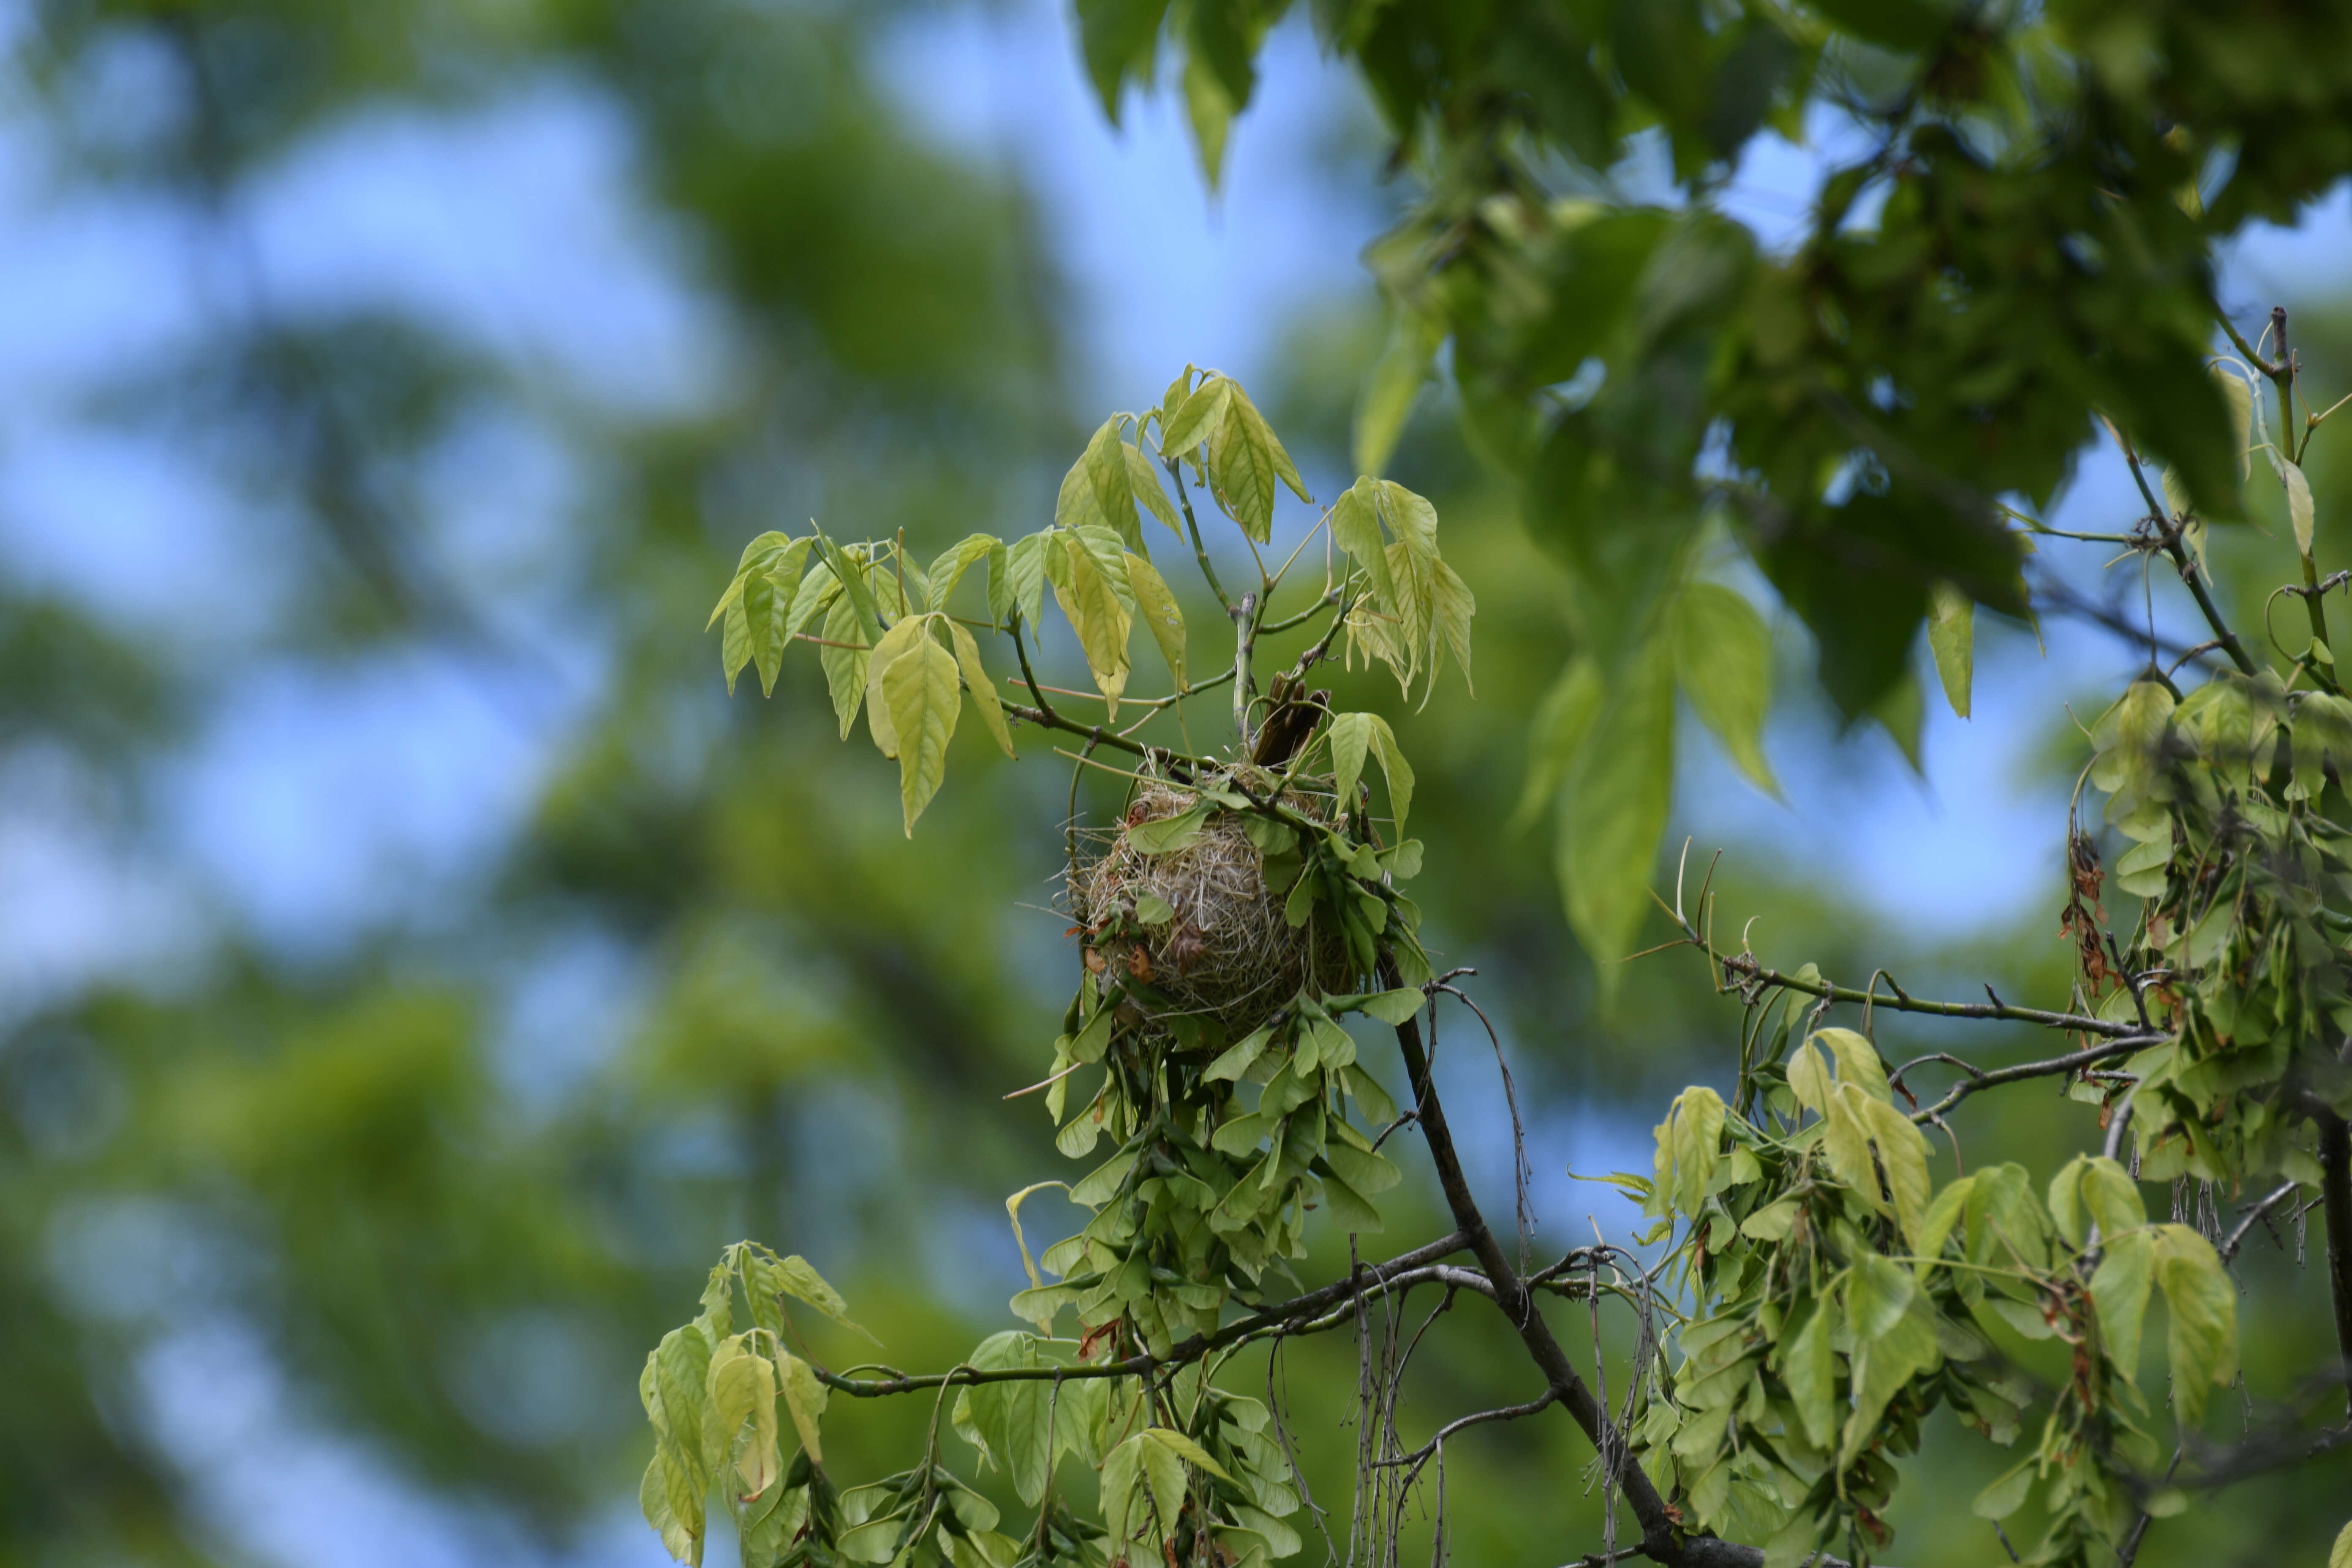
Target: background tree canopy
point(420, 969)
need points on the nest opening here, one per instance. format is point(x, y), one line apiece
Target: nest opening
point(1225, 950)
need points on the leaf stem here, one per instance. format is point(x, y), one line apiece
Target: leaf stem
point(1175, 468)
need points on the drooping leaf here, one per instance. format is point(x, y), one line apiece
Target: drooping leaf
point(1155, 605)
point(844, 656)
point(2201, 1340)
point(983, 689)
point(1087, 597)
point(1723, 657)
point(1952, 637)
point(1392, 385)
point(1557, 730)
point(1613, 811)
point(2007, 1495)
point(2299, 510)
point(1143, 479)
point(1241, 467)
point(924, 698)
point(2119, 1291)
point(894, 645)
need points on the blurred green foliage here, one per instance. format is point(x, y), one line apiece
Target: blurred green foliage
point(341, 1154)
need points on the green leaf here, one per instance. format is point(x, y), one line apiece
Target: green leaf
point(1087, 597)
point(1903, 1154)
point(2299, 510)
point(1558, 728)
point(1393, 384)
point(1691, 1140)
point(846, 657)
point(1155, 605)
point(983, 689)
point(1351, 739)
point(1452, 606)
point(1118, 38)
point(895, 645)
point(1349, 1209)
point(1169, 833)
point(1858, 1062)
point(1284, 468)
point(1241, 467)
point(1202, 413)
point(2008, 1494)
point(1772, 1223)
point(1878, 1293)
point(1143, 479)
point(947, 570)
point(924, 700)
point(2202, 1337)
point(1723, 657)
point(1393, 767)
point(2340, 1554)
point(1366, 1173)
point(1013, 1417)
point(1016, 579)
point(1952, 637)
point(1356, 528)
point(1613, 811)
point(1120, 1468)
point(742, 1388)
point(1885, 1364)
point(1236, 1060)
point(735, 637)
point(2119, 1291)
point(1808, 1367)
point(1374, 1100)
point(1392, 1007)
point(852, 570)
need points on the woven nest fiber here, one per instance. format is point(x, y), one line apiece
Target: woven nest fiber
point(1228, 953)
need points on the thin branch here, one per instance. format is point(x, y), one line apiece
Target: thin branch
point(1753, 974)
point(1191, 527)
point(1660, 1537)
point(2237, 1238)
point(1288, 1316)
point(2048, 1069)
point(2335, 1193)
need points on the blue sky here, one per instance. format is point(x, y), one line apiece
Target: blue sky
point(313, 802)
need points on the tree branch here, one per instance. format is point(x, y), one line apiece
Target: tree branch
point(1410, 1267)
point(2336, 1194)
point(1754, 974)
point(1659, 1536)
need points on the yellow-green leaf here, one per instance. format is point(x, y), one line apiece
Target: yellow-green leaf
point(844, 656)
point(2201, 1342)
point(1155, 605)
point(2299, 508)
point(982, 690)
point(1087, 597)
point(895, 645)
point(1143, 479)
point(1355, 524)
point(1952, 637)
point(1202, 412)
point(1241, 467)
point(924, 698)
point(805, 1397)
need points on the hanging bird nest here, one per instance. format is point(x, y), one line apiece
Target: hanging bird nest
point(1197, 921)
